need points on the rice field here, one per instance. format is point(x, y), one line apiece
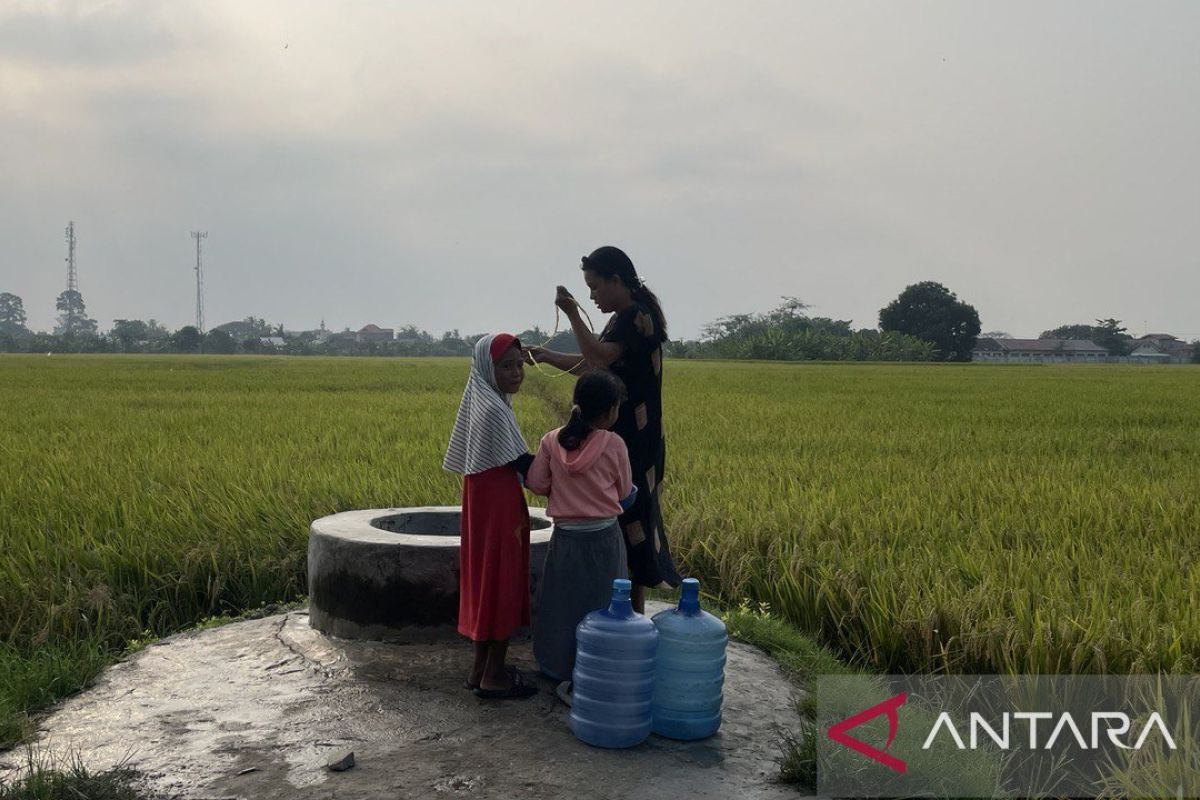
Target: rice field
point(913, 517)
point(951, 517)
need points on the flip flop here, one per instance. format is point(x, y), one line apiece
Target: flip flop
point(519, 689)
point(563, 690)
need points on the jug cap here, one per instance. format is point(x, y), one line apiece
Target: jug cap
point(621, 605)
point(689, 598)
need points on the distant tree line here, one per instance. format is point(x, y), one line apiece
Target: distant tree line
point(926, 322)
point(788, 333)
point(1107, 333)
point(76, 333)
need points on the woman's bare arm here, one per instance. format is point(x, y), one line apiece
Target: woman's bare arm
point(598, 354)
point(572, 362)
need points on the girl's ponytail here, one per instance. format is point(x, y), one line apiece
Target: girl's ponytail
point(575, 431)
point(596, 392)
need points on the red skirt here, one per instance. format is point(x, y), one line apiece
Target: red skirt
point(493, 584)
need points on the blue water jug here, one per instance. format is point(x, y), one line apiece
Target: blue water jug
point(691, 669)
point(613, 681)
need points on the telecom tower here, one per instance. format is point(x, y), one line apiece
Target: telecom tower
point(72, 277)
point(198, 235)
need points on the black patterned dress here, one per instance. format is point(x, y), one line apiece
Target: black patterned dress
point(639, 424)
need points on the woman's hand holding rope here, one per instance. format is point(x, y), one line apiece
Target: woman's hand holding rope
point(564, 301)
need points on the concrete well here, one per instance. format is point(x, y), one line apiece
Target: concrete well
point(392, 573)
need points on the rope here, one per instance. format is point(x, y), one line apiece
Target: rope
point(557, 320)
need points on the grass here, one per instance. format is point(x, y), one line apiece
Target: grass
point(72, 781)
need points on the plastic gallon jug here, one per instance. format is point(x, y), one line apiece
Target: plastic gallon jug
point(691, 669)
point(614, 674)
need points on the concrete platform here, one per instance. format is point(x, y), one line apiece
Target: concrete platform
point(254, 709)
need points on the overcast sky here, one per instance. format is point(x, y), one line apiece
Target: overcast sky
point(445, 164)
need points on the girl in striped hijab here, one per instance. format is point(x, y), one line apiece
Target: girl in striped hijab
point(488, 450)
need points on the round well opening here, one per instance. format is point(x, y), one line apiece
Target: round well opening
point(434, 523)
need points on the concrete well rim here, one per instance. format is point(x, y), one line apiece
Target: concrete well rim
point(356, 526)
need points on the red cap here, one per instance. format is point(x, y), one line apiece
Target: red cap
point(500, 345)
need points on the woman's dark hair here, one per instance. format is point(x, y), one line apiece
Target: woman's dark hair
point(596, 392)
point(608, 262)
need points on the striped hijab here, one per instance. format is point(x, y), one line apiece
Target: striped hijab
point(485, 431)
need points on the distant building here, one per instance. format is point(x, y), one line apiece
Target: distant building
point(273, 341)
point(374, 333)
point(315, 336)
point(1037, 350)
point(322, 334)
point(1161, 348)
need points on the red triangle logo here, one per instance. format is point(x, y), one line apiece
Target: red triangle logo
point(838, 732)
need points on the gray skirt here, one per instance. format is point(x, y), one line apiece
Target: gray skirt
point(580, 569)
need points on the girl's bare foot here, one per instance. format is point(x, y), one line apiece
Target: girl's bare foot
point(517, 686)
point(475, 678)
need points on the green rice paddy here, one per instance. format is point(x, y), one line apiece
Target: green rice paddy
point(913, 517)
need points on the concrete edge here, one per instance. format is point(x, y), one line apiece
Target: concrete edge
point(356, 526)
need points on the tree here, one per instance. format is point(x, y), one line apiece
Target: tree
point(414, 334)
point(1196, 352)
point(1107, 333)
point(258, 327)
point(156, 331)
point(217, 341)
point(72, 318)
point(997, 335)
point(1112, 337)
point(186, 340)
point(931, 312)
point(129, 332)
point(1079, 332)
point(787, 333)
point(788, 317)
point(12, 315)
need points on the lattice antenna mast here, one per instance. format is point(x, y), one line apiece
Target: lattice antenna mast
point(72, 278)
point(198, 235)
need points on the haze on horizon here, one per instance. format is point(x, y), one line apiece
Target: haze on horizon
point(446, 164)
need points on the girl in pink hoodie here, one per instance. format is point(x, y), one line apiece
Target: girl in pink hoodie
point(584, 469)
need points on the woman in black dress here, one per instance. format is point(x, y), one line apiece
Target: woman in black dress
point(630, 346)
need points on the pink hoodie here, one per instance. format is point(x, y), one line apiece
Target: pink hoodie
point(588, 483)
